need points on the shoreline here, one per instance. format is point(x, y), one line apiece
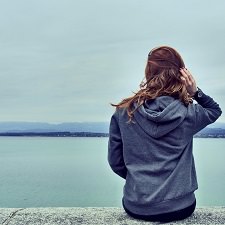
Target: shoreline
point(83, 134)
point(53, 134)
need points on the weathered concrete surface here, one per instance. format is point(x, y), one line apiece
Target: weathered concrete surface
point(94, 216)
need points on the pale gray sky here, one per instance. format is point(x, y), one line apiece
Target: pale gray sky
point(66, 60)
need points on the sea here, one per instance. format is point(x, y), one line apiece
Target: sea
point(74, 172)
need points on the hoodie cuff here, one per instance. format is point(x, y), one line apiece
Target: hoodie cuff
point(198, 94)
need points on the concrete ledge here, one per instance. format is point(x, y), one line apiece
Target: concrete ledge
point(93, 216)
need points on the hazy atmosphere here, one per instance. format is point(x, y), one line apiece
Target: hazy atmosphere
point(65, 61)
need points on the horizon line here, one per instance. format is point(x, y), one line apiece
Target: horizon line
point(53, 122)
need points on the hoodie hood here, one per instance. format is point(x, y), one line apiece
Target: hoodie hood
point(160, 116)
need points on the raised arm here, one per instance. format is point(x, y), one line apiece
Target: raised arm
point(207, 110)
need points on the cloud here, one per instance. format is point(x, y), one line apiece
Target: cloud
point(66, 61)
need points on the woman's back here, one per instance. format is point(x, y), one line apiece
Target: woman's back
point(151, 147)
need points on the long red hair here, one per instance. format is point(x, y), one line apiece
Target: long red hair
point(162, 77)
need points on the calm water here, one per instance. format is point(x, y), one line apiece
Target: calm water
point(66, 172)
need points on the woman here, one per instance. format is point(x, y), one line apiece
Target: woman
point(151, 136)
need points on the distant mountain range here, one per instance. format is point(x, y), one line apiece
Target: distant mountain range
point(96, 127)
point(217, 125)
point(216, 129)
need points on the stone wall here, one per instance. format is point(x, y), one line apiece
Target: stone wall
point(96, 216)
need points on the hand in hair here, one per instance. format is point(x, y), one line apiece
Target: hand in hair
point(188, 81)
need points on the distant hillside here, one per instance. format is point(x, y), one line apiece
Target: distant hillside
point(217, 125)
point(211, 132)
point(97, 127)
point(214, 130)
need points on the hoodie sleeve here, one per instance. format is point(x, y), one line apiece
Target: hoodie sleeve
point(207, 111)
point(115, 148)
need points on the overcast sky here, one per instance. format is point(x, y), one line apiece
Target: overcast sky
point(66, 60)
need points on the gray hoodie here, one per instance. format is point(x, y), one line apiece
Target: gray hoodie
point(154, 152)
